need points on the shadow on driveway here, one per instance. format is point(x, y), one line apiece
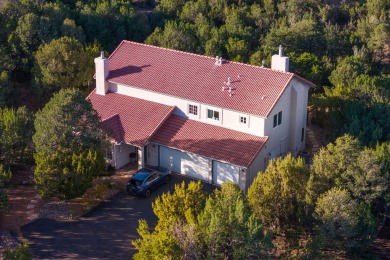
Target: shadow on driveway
point(104, 233)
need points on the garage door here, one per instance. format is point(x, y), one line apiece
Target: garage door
point(185, 163)
point(223, 172)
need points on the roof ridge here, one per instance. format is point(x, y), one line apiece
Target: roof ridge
point(111, 117)
point(201, 56)
point(168, 49)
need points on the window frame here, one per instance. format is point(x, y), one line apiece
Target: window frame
point(193, 109)
point(213, 114)
point(278, 119)
point(109, 154)
point(243, 120)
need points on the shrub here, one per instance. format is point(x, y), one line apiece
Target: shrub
point(95, 195)
point(5, 175)
point(20, 253)
point(3, 202)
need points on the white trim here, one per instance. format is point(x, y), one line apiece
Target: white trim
point(184, 151)
point(246, 118)
point(185, 99)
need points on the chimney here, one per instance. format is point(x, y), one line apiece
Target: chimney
point(279, 62)
point(101, 73)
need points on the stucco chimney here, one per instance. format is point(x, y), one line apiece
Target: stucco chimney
point(279, 62)
point(101, 73)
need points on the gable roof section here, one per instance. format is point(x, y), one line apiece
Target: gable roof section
point(197, 78)
point(208, 140)
point(129, 119)
point(113, 127)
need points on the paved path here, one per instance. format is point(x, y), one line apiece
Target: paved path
point(104, 233)
point(23, 201)
point(315, 135)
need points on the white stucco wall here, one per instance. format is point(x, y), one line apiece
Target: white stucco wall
point(152, 154)
point(277, 135)
point(299, 99)
point(228, 118)
point(122, 154)
point(286, 137)
point(257, 165)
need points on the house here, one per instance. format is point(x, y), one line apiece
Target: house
point(208, 118)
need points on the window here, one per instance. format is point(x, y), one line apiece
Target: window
point(212, 114)
point(303, 134)
point(278, 119)
point(151, 178)
point(192, 109)
point(242, 119)
point(109, 154)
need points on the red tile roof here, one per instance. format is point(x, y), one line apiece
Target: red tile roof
point(196, 77)
point(129, 119)
point(208, 140)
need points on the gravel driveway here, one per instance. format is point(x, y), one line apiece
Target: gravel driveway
point(104, 233)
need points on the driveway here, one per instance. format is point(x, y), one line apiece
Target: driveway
point(104, 233)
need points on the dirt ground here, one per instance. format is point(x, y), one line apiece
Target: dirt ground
point(25, 202)
point(20, 193)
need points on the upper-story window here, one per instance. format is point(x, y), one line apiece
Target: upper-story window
point(243, 119)
point(212, 114)
point(193, 109)
point(277, 119)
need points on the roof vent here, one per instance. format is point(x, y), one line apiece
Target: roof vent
point(280, 50)
point(102, 54)
point(263, 63)
point(218, 61)
point(228, 81)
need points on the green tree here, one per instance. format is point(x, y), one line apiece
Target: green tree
point(228, 228)
point(16, 130)
point(182, 206)
point(362, 172)
point(70, 29)
point(171, 7)
point(67, 174)
point(214, 46)
point(60, 64)
point(177, 215)
point(303, 36)
point(6, 90)
point(67, 144)
point(28, 31)
point(277, 196)
point(329, 164)
point(110, 22)
point(308, 66)
point(345, 73)
point(343, 220)
point(365, 180)
point(179, 36)
point(187, 229)
point(237, 49)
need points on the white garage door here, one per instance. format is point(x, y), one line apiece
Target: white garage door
point(185, 163)
point(223, 172)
